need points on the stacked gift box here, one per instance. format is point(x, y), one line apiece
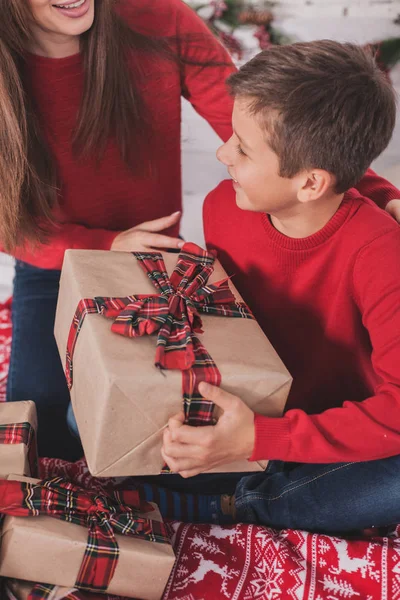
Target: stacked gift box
point(18, 450)
point(63, 535)
point(137, 333)
point(55, 532)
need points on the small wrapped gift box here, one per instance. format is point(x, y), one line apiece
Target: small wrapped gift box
point(57, 533)
point(185, 323)
point(18, 450)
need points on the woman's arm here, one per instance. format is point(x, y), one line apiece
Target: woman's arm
point(383, 193)
point(146, 236)
point(62, 238)
point(206, 65)
point(203, 62)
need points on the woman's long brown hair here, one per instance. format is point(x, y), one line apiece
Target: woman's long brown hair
point(28, 179)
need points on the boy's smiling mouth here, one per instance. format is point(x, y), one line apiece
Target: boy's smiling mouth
point(232, 177)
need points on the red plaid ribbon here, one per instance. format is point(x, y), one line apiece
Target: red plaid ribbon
point(104, 516)
point(21, 433)
point(174, 314)
point(42, 591)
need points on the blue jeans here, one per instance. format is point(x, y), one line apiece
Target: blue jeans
point(36, 371)
point(332, 498)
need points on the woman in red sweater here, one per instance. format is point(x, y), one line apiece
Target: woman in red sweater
point(90, 96)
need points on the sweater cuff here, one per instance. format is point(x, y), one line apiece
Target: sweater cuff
point(388, 194)
point(272, 438)
point(101, 239)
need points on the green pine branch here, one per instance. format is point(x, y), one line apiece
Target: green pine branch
point(231, 14)
point(388, 52)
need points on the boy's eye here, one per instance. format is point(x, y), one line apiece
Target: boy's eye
point(239, 150)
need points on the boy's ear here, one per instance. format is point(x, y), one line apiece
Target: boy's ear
point(314, 184)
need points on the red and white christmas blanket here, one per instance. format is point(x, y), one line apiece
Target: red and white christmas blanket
point(242, 562)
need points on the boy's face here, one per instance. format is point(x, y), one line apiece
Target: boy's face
point(254, 167)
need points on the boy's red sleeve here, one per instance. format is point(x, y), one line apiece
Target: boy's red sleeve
point(377, 189)
point(357, 431)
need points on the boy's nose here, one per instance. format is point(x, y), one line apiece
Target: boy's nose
point(223, 154)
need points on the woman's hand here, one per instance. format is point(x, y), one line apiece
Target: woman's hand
point(192, 450)
point(393, 208)
point(145, 237)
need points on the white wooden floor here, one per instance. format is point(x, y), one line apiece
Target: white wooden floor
point(202, 172)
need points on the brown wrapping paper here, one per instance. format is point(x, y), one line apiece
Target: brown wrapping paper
point(121, 401)
point(48, 550)
point(14, 457)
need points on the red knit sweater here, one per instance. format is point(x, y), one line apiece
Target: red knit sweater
point(97, 202)
point(329, 303)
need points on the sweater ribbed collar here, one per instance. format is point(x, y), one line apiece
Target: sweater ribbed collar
point(321, 236)
point(50, 64)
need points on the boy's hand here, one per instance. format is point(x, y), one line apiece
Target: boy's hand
point(192, 450)
point(393, 208)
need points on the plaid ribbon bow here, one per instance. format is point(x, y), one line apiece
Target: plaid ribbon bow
point(174, 314)
point(21, 433)
point(104, 516)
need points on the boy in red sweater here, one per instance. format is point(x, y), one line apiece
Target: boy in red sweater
point(319, 266)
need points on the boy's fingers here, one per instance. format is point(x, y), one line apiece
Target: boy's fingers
point(196, 436)
point(180, 464)
point(190, 473)
point(221, 398)
point(177, 420)
point(182, 451)
point(174, 424)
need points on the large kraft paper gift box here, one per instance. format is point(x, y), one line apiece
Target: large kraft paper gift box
point(121, 399)
point(92, 542)
point(18, 449)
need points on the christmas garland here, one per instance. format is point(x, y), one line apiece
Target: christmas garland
point(223, 17)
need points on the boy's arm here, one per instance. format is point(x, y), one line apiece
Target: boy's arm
point(383, 193)
point(357, 431)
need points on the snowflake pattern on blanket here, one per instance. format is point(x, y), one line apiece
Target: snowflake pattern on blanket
point(243, 562)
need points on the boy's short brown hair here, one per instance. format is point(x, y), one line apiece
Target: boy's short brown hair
point(323, 104)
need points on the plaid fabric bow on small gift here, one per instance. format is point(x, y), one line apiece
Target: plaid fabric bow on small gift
point(104, 516)
point(21, 433)
point(174, 315)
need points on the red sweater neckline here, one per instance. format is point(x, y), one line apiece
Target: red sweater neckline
point(315, 239)
point(46, 62)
